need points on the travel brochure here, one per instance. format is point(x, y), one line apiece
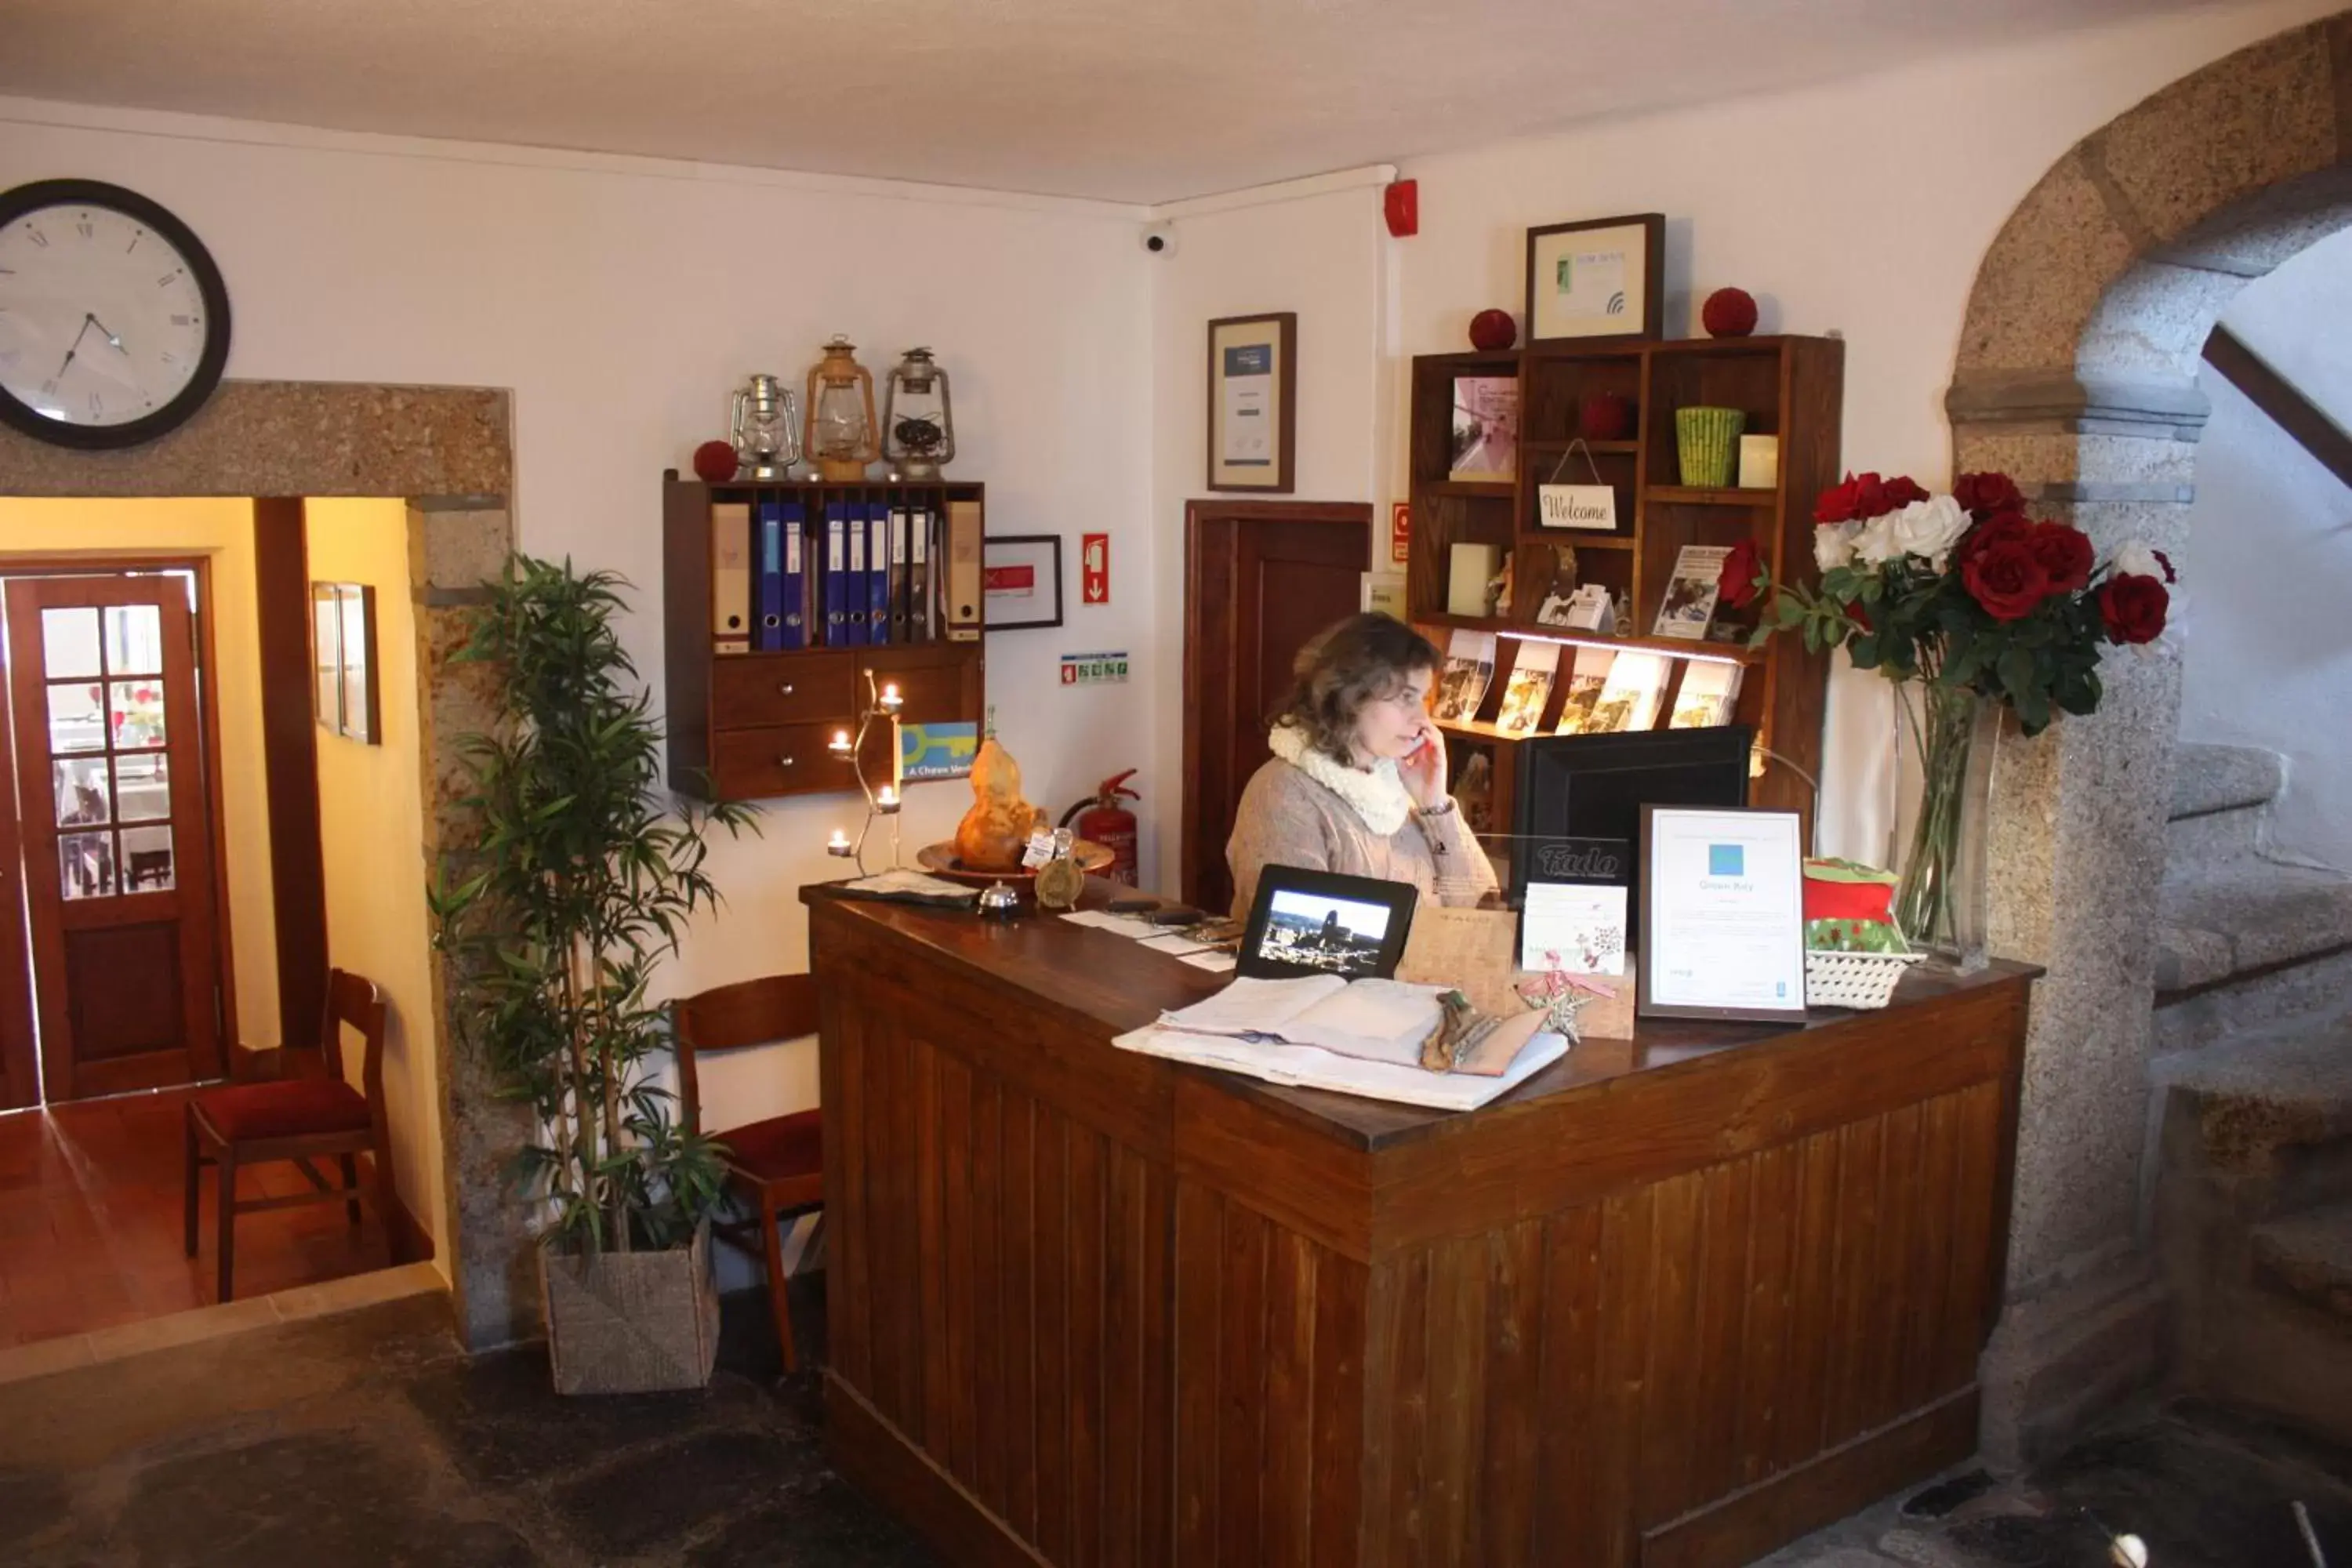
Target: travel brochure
point(1532, 668)
point(1689, 602)
point(1708, 690)
point(1469, 668)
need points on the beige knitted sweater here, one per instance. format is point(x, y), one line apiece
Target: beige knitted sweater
point(1288, 819)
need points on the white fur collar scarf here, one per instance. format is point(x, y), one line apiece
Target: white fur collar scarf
point(1377, 795)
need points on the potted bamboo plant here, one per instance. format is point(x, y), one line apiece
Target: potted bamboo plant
point(576, 879)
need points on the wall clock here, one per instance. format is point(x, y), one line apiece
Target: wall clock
point(113, 319)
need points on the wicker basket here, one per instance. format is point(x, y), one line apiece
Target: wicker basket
point(1862, 981)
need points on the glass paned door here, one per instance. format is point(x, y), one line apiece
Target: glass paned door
point(120, 879)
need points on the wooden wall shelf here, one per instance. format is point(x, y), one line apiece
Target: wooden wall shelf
point(1790, 387)
point(754, 726)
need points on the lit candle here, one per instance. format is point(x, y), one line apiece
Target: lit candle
point(838, 844)
point(840, 741)
point(886, 800)
point(890, 697)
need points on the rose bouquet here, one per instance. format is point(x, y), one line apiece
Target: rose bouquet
point(1970, 606)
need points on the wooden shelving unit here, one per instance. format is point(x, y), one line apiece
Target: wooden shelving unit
point(1790, 387)
point(754, 726)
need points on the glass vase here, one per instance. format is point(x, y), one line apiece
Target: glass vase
point(1941, 901)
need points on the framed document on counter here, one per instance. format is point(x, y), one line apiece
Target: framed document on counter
point(1723, 915)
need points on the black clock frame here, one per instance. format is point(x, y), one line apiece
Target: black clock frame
point(41, 193)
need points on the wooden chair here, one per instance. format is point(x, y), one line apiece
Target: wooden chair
point(301, 1118)
point(778, 1165)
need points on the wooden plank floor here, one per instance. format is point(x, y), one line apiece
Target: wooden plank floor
point(91, 1216)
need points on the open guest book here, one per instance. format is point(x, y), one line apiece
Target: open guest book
point(1362, 1037)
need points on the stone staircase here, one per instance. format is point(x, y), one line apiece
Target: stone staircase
point(2252, 1104)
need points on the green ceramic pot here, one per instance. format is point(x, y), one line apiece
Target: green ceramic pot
point(1708, 440)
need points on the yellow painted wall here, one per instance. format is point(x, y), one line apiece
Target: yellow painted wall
point(371, 829)
point(222, 531)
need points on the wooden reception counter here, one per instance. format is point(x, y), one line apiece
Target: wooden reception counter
point(1674, 1300)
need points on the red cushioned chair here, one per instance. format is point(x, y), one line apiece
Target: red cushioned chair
point(777, 1165)
point(301, 1120)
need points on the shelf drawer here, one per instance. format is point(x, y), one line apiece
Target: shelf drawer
point(939, 683)
point(778, 759)
point(751, 689)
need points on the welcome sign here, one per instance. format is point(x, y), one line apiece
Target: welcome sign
point(1578, 506)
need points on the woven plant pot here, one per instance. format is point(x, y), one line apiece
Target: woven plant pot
point(631, 1323)
point(1708, 440)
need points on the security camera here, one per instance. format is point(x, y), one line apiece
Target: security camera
point(1159, 239)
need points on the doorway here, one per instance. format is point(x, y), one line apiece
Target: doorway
point(117, 825)
point(1260, 579)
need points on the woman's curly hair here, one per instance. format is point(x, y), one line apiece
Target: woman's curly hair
point(1362, 659)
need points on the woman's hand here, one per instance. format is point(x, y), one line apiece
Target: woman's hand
point(1422, 769)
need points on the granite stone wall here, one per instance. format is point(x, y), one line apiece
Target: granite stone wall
point(2077, 374)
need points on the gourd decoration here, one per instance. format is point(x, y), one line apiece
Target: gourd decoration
point(995, 831)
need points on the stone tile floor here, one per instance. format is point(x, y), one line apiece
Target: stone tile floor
point(368, 1439)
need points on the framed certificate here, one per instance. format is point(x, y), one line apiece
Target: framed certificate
point(1253, 383)
point(1723, 915)
point(1598, 282)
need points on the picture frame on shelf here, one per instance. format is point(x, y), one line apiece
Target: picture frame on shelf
point(1021, 581)
point(346, 696)
point(1598, 281)
point(1253, 397)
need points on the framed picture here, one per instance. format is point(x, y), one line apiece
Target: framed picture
point(342, 660)
point(1021, 580)
point(1253, 390)
point(1602, 282)
point(1319, 923)
point(1722, 914)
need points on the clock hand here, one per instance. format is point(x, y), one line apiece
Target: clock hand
point(67, 364)
point(110, 338)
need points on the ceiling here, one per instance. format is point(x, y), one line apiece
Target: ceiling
point(1134, 100)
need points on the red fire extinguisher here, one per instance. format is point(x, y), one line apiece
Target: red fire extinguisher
point(1102, 819)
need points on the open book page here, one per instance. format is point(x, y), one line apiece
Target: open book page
point(1377, 1020)
point(1306, 1067)
point(1254, 1006)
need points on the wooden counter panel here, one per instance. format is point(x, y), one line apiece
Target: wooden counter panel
point(1269, 1391)
point(1522, 1159)
point(1289, 1174)
point(1559, 1387)
point(1001, 1288)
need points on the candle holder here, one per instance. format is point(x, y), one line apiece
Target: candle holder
point(883, 704)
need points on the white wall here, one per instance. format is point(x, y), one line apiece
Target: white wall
point(2266, 648)
point(1319, 247)
point(621, 300)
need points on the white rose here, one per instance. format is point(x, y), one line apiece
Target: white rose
point(1875, 545)
point(1833, 545)
point(2138, 560)
point(1929, 529)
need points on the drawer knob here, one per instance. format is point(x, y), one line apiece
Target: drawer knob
point(784, 687)
point(783, 762)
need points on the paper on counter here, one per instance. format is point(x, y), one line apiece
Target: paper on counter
point(1308, 1067)
point(1174, 943)
point(1213, 962)
point(1118, 925)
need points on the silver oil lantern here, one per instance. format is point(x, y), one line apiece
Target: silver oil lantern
point(766, 428)
point(918, 425)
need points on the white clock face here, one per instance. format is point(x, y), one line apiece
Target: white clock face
point(102, 321)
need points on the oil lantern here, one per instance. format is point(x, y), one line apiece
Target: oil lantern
point(766, 429)
point(841, 415)
point(918, 426)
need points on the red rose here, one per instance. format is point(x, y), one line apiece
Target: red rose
point(2064, 552)
point(2133, 607)
point(2003, 528)
point(2006, 579)
point(1836, 504)
point(1737, 586)
point(1982, 494)
point(1860, 612)
point(1898, 492)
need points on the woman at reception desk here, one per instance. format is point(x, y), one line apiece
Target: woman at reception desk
point(1676, 1300)
point(1356, 783)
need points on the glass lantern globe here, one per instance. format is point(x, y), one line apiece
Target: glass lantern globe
point(840, 422)
point(918, 425)
point(765, 429)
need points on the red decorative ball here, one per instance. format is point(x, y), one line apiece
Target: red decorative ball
point(1605, 416)
point(714, 462)
point(1728, 313)
point(1491, 331)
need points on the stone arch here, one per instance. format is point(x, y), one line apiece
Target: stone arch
point(448, 452)
point(2077, 374)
